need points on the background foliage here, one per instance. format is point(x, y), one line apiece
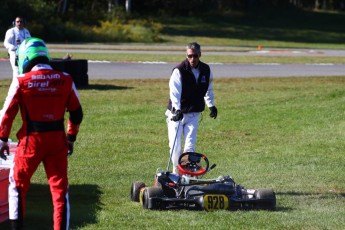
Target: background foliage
point(149, 21)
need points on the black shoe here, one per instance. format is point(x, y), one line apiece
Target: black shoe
point(16, 225)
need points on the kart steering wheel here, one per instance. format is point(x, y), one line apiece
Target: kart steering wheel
point(189, 163)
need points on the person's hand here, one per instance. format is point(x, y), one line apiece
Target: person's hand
point(178, 116)
point(4, 148)
point(213, 112)
point(70, 147)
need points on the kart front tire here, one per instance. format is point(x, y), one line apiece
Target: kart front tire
point(148, 193)
point(266, 199)
point(135, 190)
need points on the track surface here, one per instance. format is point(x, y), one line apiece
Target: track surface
point(98, 69)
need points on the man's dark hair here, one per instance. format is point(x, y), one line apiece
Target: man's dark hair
point(194, 46)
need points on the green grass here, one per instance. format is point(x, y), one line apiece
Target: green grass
point(229, 59)
point(277, 28)
point(280, 133)
point(242, 59)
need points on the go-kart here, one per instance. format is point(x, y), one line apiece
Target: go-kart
point(187, 190)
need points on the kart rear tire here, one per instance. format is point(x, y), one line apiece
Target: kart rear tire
point(267, 199)
point(135, 190)
point(148, 193)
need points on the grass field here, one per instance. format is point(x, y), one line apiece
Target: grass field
point(280, 133)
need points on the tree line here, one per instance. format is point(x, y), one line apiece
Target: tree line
point(182, 6)
point(64, 8)
point(54, 16)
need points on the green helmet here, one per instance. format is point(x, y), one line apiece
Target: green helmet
point(31, 52)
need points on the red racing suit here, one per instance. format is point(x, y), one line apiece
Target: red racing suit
point(42, 95)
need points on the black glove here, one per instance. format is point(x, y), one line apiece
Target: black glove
point(4, 148)
point(178, 116)
point(213, 112)
point(70, 147)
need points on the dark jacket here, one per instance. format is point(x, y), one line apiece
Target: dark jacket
point(193, 92)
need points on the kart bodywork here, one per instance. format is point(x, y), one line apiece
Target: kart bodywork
point(186, 190)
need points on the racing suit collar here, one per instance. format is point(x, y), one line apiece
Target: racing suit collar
point(40, 67)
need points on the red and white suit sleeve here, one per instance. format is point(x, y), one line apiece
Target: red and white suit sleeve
point(9, 110)
point(76, 114)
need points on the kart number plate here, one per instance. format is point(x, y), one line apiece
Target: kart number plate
point(215, 202)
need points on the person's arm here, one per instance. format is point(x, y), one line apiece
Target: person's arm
point(175, 86)
point(27, 34)
point(75, 118)
point(9, 110)
point(209, 97)
point(75, 114)
point(9, 39)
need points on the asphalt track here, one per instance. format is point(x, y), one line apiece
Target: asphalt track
point(98, 69)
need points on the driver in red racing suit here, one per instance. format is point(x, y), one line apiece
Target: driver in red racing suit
point(42, 95)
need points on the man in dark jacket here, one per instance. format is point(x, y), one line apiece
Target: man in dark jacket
point(190, 89)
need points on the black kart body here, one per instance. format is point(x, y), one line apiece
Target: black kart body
point(183, 191)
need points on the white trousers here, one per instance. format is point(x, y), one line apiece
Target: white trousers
point(13, 63)
point(187, 128)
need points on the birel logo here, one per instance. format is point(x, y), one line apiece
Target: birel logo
point(52, 80)
point(38, 84)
